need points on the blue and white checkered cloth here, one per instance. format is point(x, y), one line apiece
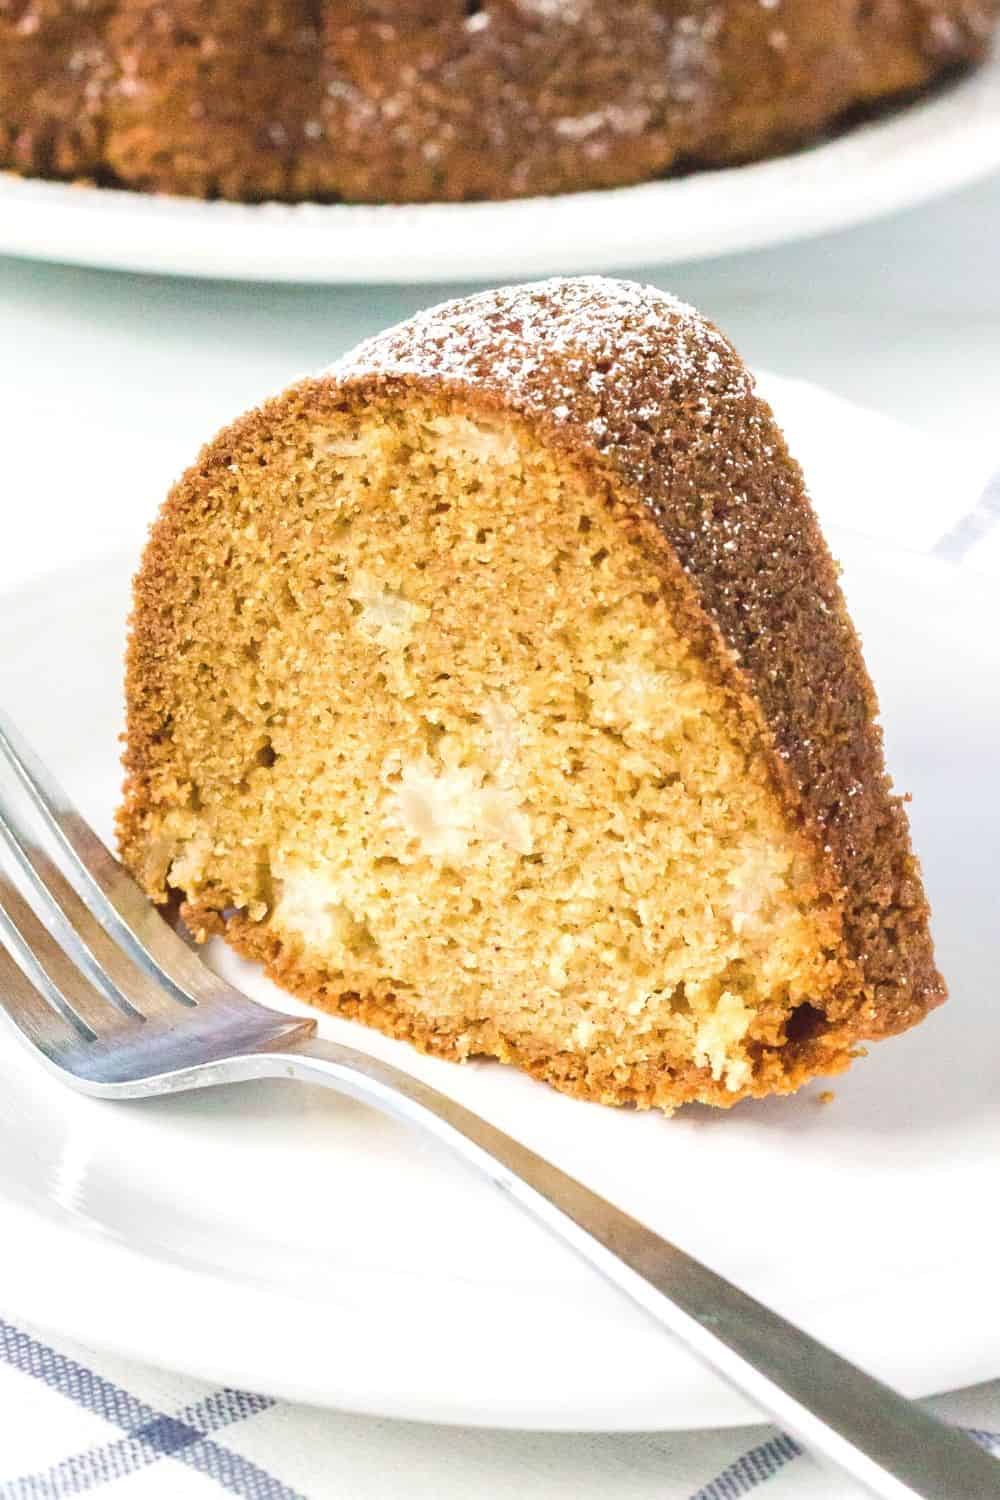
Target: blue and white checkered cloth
point(73, 1422)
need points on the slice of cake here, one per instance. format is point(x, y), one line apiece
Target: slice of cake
point(495, 688)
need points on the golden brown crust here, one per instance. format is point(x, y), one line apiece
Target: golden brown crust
point(591, 1076)
point(654, 402)
point(409, 101)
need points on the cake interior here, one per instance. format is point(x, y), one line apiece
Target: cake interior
point(427, 733)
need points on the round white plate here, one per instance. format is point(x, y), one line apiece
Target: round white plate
point(281, 1238)
point(943, 141)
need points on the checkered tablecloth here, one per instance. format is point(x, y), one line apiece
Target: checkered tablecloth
point(73, 1422)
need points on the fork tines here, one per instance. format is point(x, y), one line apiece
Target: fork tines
point(90, 971)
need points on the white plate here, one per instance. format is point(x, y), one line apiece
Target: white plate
point(945, 140)
point(284, 1239)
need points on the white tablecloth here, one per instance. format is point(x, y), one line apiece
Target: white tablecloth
point(106, 385)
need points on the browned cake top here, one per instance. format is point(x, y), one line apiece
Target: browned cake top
point(416, 100)
point(634, 382)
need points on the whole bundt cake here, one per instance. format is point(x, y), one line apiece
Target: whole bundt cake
point(495, 688)
point(417, 100)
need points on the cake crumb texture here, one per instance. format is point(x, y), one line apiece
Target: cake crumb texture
point(495, 688)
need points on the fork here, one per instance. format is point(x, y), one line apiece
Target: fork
point(114, 1002)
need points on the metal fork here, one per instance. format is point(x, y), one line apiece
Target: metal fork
point(118, 1006)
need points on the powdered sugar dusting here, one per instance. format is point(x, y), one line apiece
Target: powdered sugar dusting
point(569, 12)
point(590, 351)
point(403, 102)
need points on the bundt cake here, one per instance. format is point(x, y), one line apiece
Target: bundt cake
point(495, 688)
point(418, 100)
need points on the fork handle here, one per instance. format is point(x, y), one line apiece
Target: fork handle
point(887, 1444)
